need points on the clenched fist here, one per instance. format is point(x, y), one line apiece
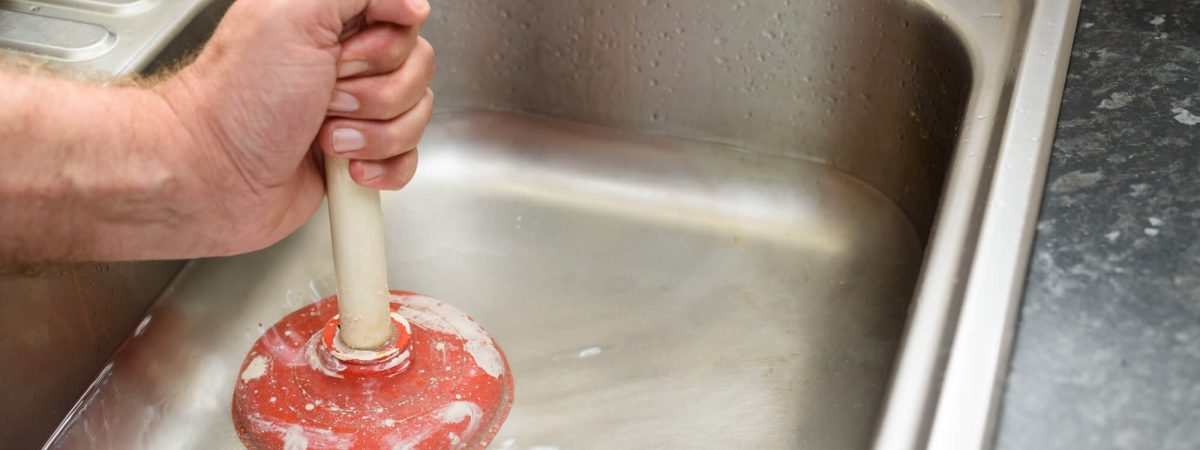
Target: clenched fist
point(224, 156)
point(342, 78)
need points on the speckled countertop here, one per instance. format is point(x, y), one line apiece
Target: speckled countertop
point(1107, 354)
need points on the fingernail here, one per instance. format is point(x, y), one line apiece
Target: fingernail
point(348, 140)
point(343, 102)
point(418, 5)
point(351, 68)
point(371, 170)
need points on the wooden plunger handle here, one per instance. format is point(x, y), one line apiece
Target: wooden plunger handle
point(356, 225)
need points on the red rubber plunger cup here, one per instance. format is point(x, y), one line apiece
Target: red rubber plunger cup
point(368, 369)
point(439, 383)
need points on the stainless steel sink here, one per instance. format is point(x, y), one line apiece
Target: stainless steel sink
point(688, 225)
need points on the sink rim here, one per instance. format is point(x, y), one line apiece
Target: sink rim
point(945, 387)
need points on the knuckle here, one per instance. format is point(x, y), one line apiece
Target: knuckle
point(396, 50)
point(412, 165)
point(396, 135)
point(425, 50)
point(407, 141)
point(392, 94)
point(421, 15)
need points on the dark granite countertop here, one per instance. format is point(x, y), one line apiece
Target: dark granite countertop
point(1107, 354)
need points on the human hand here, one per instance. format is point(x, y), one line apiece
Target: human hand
point(280, 78)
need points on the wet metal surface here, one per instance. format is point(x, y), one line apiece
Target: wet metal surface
point(689, 225)
point(711, 302)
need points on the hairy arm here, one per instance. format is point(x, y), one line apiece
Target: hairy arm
point(88, 172)
point(221, 157)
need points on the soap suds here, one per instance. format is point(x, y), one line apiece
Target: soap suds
point(590, 352)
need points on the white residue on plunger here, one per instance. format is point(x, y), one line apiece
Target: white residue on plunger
point(458, 411)
point(294, 439)
point(455, 412)
point(437, 316)
point(309, 407)
point(256, 368)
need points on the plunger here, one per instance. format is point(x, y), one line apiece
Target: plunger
point(370, 368)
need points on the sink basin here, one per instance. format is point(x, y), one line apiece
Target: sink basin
point(657, 291)
point(689, 226)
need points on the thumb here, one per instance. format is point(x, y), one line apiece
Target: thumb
point(399, 12)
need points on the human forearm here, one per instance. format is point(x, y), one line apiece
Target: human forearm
point(89, 173)
point(224, 156)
